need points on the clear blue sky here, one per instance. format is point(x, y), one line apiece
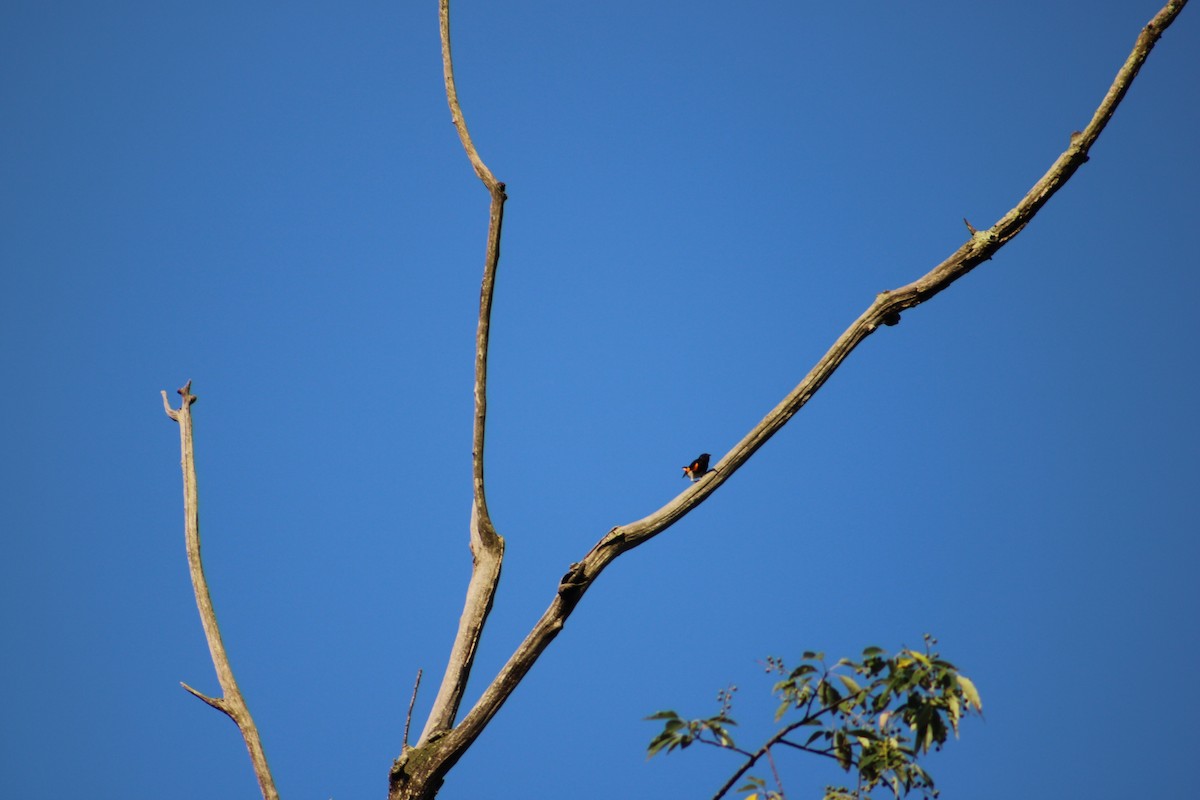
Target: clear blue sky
point(269, 199)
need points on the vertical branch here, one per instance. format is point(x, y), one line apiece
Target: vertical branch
point(487, 546)
point(231, 702)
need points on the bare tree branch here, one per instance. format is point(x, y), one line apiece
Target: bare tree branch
point(456, 115)
point(412, 702)
point(487, 546)
point(421, 777)
point(231, 702)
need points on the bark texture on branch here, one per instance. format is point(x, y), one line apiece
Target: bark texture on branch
point(419, 772)
point(487, 546)
point(231, 701)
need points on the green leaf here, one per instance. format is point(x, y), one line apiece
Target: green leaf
point(842, 751)
point(722, 735)
point(663, 715)
point(828, 695)
point(970, 693)
point(850, 684)
point(664, 739)
point(939, 729)
point(952, 708)
point(802, 670)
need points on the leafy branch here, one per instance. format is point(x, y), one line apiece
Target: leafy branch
point(876, 716)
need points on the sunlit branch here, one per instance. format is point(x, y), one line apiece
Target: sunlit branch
point(885, 310)
point(487, 546)
point(231, 702)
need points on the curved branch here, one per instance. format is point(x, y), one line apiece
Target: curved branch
point(757, 754)
point(456, 115)
point(231, 702)
point(778, 738)
point(885, 310)
point(487, 546)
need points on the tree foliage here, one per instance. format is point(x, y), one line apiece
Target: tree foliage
point(875, 716)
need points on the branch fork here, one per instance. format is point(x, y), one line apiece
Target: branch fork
point(420, 769)
point(419, 773)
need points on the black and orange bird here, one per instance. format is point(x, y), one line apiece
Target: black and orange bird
point(697, 468)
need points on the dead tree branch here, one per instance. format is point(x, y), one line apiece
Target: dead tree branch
point(412, 702)
point(487, 546)
point(419, 773)
point(231, 702)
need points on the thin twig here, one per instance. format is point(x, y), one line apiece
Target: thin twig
point(779, 738)
point(775, 772)
point(750, 762)
point(722, 745)
point(412, 702)
point(231, 702)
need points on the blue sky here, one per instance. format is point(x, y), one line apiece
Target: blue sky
point(270, 200)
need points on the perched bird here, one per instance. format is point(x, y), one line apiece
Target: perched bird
point(697, 468)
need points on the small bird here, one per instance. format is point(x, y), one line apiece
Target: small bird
point(697, 468)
